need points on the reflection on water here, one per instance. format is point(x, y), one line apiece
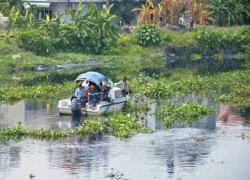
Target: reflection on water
point(206, 150)
point(77, 119)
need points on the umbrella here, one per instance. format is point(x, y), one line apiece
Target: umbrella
point(95, 77)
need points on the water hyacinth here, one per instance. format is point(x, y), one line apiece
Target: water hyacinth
point(90, 127)
point(170, 113)
point(125, 126)
point(230, 87)
point(38, 92)
point(21, 131)
point(119, 125)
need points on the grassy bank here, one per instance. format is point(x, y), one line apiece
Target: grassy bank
point(126, 50)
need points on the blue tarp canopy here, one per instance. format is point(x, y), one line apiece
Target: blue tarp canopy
point(94, 77)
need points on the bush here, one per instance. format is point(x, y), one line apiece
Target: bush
point(148, 35)
point(222, 40)
point(34, 41)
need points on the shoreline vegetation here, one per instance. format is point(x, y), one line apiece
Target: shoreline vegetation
point(208, 61)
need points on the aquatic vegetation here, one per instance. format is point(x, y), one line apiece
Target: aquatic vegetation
point(115, 174)
point(35, 93)
point(137, 103)
point(90, 127)
point(232, 87)
point(119, 125)
point(170, 113)
point(125, 126)
point(20, 131)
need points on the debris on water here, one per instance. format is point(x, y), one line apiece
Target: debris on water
point(31, 176)
point(244, 136)
point(152, 142)
point(115, 174)
point(200, 139)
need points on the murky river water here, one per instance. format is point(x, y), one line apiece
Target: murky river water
point(212, 149)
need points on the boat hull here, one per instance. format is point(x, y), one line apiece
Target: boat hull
point(102, 107)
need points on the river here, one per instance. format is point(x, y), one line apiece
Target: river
point(216, 148)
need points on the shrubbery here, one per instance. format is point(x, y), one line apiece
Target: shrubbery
point(34, 41)
point(148, 35)
point(93, 32)
point(222, 40)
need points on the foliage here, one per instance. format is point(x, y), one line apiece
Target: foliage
point(23, 19)
point(227, 87)
point(20, 131)
point(115, 174)
point(7, 5)
point(39, 92)
point(34, 41)
point(222, 40)
point(90, 127)
point(125, 126)
point(93, 32)
point(231, 12)
point(184, 113)
point(148, 35)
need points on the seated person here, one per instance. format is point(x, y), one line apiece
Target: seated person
point(105, 95)
point(85, 97)
point(93, 95)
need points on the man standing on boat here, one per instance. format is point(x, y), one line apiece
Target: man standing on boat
point(124, 85)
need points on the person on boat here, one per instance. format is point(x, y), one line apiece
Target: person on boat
point(85, 84)
point(85, 96)
point(93, 95)
point(109, 95)
point(124, 85)
point(79, 92)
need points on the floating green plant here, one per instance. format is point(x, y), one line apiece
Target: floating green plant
point(119, 125)
point(38, 92)
point(231, 87)
point(170, 113)
point(125, 126)
point(90, 127)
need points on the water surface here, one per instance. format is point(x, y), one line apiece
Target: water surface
point(212, 149)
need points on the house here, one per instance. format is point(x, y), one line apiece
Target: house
point(50, 7)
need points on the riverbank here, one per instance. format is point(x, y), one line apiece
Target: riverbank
point(217, 40)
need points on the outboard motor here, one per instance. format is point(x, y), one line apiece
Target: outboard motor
point(75, 106)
